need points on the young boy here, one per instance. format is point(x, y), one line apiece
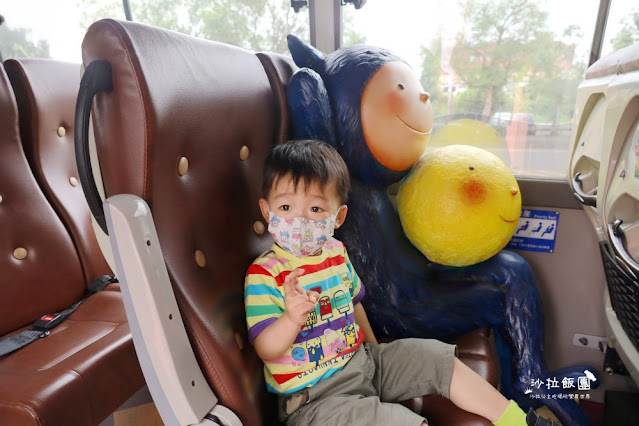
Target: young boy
point(307, 324)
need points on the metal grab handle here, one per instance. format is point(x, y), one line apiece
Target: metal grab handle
point(97, 78)
point(589, 200)
point(616, 237)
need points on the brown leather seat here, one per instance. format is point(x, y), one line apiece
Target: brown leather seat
point(87, 366)
point(46, 91)
point(218, 110)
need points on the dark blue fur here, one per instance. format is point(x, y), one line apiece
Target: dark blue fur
point(407, 295)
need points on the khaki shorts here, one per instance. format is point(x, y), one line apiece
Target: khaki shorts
point(366, 391)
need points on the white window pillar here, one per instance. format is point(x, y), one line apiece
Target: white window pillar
point(326, 24)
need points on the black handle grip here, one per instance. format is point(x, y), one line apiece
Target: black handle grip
point(616, 238)
point(589, 200)
point(97, 78)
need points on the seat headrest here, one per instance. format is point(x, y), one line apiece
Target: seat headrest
point(619, 62)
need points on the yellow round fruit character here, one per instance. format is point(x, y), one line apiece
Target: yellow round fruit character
point(459, 205)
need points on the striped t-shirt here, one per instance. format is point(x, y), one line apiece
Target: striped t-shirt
point(330, 336)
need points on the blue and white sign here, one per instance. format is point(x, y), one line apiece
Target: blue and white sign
point(536, 231)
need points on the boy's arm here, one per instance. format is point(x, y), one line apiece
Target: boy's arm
point(362, 321)
point(275, 339)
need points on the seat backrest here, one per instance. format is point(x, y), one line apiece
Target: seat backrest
point(187, 128)
point(46, 92)
point(621, 61)
point(39, 268)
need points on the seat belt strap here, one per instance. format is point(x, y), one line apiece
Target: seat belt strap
point(100, 283)
point(43, 325)
point(17, 341)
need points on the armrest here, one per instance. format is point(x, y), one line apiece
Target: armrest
point(174, 378)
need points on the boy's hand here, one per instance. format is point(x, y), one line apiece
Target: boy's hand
point(297, 301)
point(277, 338)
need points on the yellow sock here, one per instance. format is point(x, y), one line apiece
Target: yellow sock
point(513, 416)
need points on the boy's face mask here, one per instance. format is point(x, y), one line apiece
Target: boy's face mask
point(301, 236)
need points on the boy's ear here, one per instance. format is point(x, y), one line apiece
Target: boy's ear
point(341, 216)
point(264, 209)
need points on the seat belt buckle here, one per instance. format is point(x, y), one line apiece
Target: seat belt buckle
point(47, 322)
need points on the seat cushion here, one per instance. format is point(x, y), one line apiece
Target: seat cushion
point(77, 375)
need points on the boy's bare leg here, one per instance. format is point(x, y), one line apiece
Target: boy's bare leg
point(469, 391)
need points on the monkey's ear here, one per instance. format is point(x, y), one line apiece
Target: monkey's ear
point(309, 107)
point(305, 55)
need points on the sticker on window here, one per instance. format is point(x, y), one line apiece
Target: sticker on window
point(536, 231)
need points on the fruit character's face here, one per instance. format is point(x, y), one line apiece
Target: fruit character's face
point(397, 116)
point(460, 205)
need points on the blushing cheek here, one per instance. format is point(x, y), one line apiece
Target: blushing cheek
point(474, 191)
point(395, 102)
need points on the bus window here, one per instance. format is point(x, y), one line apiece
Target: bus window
point(58, 28)
point(37, 29)
point(255, 25)
point(622, 27)
point(502, 75)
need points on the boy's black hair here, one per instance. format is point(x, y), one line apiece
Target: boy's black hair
point(313, 160)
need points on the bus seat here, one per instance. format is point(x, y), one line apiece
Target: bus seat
point(46, 91)
point(186, 128)
point(618, 198)
point(86, 367)
point(596, 123)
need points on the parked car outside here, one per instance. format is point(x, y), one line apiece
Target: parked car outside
point(505, 118)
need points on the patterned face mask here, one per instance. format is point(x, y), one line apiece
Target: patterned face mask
point(301, 236)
